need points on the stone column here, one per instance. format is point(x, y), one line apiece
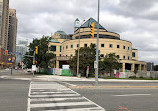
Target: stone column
point(57, 64)
point(139, 67)
point(144, 68)
point(123, 67)
point(133, 67)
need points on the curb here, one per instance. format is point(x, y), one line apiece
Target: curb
point(95, 87)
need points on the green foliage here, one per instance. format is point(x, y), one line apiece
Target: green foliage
point(87, 57)
point(156, 67)
point(110, 62)
point(19, 66)
point(43, 57)
point(135, 71)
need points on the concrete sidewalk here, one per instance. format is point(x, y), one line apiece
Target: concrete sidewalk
point(22, 74)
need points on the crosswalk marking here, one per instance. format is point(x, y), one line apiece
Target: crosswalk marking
point(51, 96)
point(54, 95)
point(60, 104)
point(56, 99)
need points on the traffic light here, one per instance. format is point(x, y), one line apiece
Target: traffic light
point(33, 62)
point(36, 49)
point(92, 30)
point(6, 52)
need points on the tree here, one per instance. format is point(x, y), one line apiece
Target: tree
point(156, 68)
point(110, 62)
point(87, 57)
point(43, 57)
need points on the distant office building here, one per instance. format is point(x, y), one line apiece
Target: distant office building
point(21, 47)
point(12, 31)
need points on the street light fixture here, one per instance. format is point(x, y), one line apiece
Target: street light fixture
point(78, 58)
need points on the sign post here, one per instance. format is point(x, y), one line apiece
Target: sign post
point(33, 69)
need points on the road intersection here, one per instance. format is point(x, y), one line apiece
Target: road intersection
point(60, 93)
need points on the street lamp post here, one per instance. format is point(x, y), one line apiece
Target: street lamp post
point(78, 58)
point(97, 50)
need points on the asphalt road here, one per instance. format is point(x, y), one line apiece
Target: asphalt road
point(123, 99)
point(13, 95)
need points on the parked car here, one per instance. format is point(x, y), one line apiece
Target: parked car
point(29, 70)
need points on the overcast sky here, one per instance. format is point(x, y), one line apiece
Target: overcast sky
point(134, 20)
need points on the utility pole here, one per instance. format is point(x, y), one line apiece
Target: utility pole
point(97, 50)
point(78, 55)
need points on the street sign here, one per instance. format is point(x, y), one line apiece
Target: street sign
point(33, 67)
point(9, 59)
point(95, 64)
point(65, 66)
point(16, 53)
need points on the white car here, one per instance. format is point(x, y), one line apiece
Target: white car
point(29, 70)
point(7, 69)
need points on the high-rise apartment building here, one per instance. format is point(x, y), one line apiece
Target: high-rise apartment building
point(12, 30)
point(8, 31)
point(4, 11)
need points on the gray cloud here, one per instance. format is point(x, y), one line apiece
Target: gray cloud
point(134, 20)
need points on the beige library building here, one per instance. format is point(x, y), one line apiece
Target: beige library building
point(64, 46)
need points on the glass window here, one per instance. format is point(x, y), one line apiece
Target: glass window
point(124, 57)
point(118, 46)
point(102, 45)
point(124, 47)
point(66, 47)
point(71, 46)
point(85, 45)
point(60, 48)
point(63, 47)
point(102, 55)
point(110, 45)
point(128, 48)
point(53, 48)
point(133, 54)
point(128, 57)
point(71, 55)
point(77, 45)
point(118, 56)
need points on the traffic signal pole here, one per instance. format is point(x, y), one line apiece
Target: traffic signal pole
point(97, 49)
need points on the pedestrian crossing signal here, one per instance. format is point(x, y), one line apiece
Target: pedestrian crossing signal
point(92, 29)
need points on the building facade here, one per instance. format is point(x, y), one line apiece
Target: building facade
point(109, 42)
point(4, 23)
point(4, 10)
point(12, 31)
point(21, 48)
point(8, 31)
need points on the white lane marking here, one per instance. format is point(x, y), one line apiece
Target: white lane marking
point(51, 92)
point(28, 103)
point(68, 84)
point(134, 95)
point(56, 99)
point(80, 109)
point(58, 88)
point(54, 95)
point(90, 101)
point(60, 104)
